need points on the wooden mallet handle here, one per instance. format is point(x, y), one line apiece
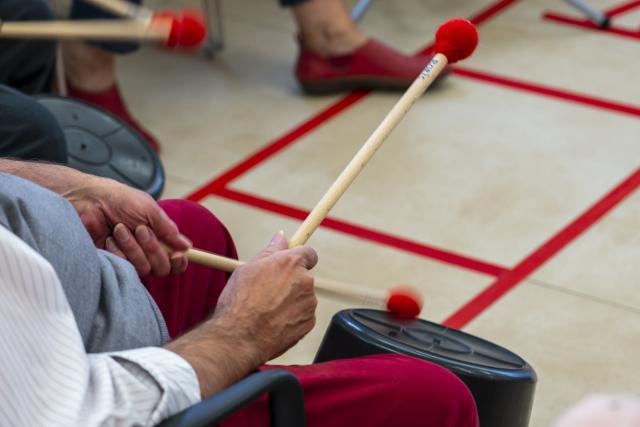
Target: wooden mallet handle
point(366, 152)
point(355, 293)
point(455, 40)
point(87, 30)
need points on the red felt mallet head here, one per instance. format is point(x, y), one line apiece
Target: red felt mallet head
point(404, 302)
point(193, 28)
point(187, 29)
point(456, 39)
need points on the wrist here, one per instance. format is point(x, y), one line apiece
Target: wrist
point(218, 358)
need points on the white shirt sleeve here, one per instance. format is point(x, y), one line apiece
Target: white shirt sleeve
point(47, 377)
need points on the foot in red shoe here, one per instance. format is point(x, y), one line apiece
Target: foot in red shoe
point(111, 101)
point(371, 66)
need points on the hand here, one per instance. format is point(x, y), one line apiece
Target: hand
point(130, 224)
point(269, 302)
point(267, 306)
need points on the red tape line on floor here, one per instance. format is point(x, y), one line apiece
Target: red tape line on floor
point(621, 9)
point(535, 260)
point(585, 23)
point(565, 95)
point(276, 146)
point(370, 234)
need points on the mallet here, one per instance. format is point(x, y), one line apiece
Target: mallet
point(145, 16)
point(403, 302)
point(455, 40)
point(169, 29)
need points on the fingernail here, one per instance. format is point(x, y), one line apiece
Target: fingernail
point(176, 262)
point(120, 233)
point(186, 239)
point(110, 245)
point(275, 238)
point(142, 234)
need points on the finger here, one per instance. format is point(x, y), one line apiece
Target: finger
point(111, 246)
point(278, 243)
point(165, 229)
point(308, 283)
point(131, 249)
point(156, 255)
point(179, 262)
point(307, 256)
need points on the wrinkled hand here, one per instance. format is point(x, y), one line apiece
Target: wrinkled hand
point(270, 302)
point(130, 224)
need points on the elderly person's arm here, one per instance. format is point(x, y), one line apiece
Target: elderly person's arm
point(120, 219)
point(48, 379)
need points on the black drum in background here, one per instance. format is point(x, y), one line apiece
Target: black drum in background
point(101, 144)
point(501, 382)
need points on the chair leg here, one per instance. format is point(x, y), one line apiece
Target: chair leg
point(598, 18)
point(215, 33)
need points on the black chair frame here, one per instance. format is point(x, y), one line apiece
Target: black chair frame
point(285, 401)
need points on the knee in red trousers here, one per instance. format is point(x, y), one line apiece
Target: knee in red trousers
point(187, 299)
point(404, 391)
point(433, 396)
point(374, 391)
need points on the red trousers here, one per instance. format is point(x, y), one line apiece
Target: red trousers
point(383, 390)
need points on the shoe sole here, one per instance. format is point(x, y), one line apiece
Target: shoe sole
point(328, 87)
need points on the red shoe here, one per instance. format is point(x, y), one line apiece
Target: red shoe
point(372, 66)
point(111, 101)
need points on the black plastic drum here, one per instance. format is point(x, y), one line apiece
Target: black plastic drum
point(502, 383)
point(101, 144)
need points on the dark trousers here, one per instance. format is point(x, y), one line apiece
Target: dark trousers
point(26, 65)
point(27, 130)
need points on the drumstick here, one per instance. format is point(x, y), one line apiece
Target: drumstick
point(402, 302)
point(184, 31)
point(90, 30)
point(455, 40)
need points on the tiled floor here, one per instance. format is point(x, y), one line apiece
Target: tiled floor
point(487, 172)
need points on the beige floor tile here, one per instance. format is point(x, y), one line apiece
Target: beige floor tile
point(209, 115)
point(350, 260)
point(630, 20)
point(177, 188)
point(605, 262)
point(577, 346)
point(507, 185)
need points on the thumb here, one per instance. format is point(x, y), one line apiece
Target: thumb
point(278, 243)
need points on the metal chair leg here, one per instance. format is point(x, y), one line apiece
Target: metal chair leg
point(598, 18)
point(215, 34)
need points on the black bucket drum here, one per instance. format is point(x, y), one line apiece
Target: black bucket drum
point(501, 382)
point(101, 144)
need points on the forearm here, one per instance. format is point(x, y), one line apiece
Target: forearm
point(57, 178)
point(218, 358)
